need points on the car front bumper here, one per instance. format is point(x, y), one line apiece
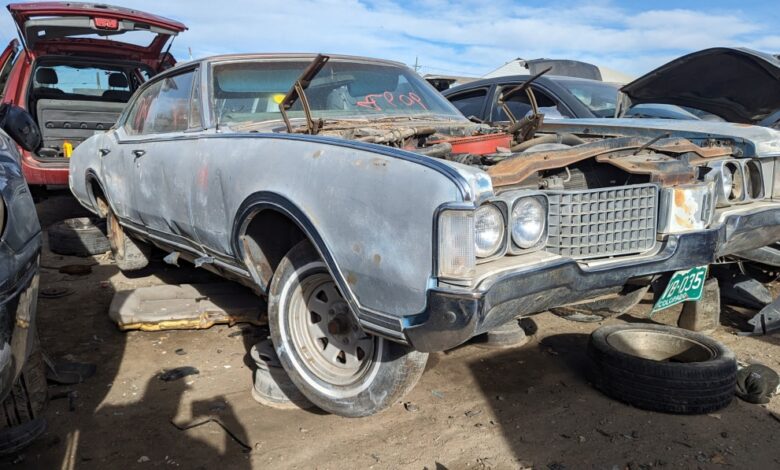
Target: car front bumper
point(454, 316)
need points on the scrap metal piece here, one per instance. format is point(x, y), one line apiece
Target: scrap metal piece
point(526, 128)
point(195, 306)
point(741, 289)
point(769, 255)
point(765, 321)
point(298, 92)
point(617, 152)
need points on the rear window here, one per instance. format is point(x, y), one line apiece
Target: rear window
point(82, 80)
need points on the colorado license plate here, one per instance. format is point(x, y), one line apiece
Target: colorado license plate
point(684, 286)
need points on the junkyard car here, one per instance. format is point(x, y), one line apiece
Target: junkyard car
point(556, 96)
point(717, 84)
point(79, 64)
point(381, 224)
point(22, 378)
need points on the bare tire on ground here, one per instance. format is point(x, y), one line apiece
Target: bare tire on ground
point(326, 353)
point(662, 368)
point(129, 254)
point(81, 236)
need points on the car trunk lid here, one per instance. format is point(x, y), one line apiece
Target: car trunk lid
point(58, 27)
point(739, 85)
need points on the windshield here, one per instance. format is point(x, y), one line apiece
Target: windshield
point(250, 91)
point(599, 97)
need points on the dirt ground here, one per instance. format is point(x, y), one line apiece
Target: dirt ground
point(526, 407)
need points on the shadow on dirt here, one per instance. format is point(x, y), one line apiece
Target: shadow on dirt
point(551, 417)
point(85, 432)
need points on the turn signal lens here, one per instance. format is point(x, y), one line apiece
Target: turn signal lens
point(457, 257)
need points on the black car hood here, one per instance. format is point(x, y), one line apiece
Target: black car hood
point(739, 85)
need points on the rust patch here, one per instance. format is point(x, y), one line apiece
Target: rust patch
point(317, 154)
point(377, 259)
point(351, 279)
point(378, 162)
point(357, 248)
point(518, 168)
point(679, 198)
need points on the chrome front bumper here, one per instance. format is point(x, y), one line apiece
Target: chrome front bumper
point(452, 317)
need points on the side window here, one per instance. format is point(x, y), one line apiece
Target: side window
point(137, 121)
point(163, 107)
point(195, 104)
point(520, 106)
point(470, 103)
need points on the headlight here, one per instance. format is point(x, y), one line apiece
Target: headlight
point(488, 230)
point(733, 173)
point(726, 180)
point(528, 222)
point(754, 180)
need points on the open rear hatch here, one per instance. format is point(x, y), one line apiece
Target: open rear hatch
point(91, 28)
point(739, 85)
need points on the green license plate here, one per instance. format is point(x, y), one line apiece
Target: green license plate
point(683, 286)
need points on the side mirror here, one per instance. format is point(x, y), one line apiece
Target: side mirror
point(20, 126)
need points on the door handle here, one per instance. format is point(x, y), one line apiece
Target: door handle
point(139, 153)
point(104, 151)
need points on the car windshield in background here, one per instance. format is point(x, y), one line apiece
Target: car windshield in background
point(250, 91)
point(599, 97)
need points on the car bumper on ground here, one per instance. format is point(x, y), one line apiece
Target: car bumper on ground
point(453, 317)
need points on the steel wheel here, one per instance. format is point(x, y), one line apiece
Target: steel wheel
point(319, 342)
point(326, 333)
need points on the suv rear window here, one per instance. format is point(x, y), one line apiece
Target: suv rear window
point(82, 80)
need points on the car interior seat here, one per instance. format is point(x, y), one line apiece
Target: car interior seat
point(117, 80)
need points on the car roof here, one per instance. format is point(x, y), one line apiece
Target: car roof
point(283, 56)
point(544, 79)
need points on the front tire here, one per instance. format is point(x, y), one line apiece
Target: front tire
point(322, 347)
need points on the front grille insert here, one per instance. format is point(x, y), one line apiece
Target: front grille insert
point(598, 223)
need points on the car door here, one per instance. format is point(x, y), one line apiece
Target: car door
point(157, 139)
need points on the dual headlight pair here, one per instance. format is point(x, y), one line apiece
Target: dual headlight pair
point(469, 236)
point(737, 181)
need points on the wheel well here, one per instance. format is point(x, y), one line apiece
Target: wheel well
point(98, 197)
point(268, 237)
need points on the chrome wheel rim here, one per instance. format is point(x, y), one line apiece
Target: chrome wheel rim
point(326, 334)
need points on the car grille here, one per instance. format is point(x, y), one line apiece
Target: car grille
point(605, 222)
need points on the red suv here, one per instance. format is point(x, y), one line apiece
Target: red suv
point(74, 69)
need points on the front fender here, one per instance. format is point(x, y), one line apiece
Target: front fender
point(369, 210)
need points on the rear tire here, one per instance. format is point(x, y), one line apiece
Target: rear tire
point(662, 368)
point(129, 254)
point(81, 236)
point(326, 353)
